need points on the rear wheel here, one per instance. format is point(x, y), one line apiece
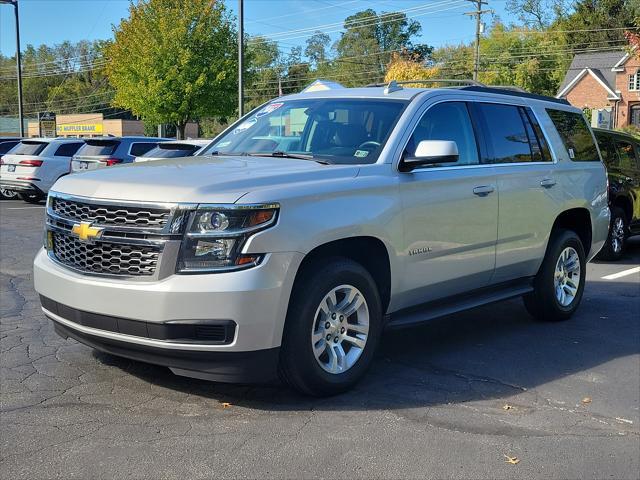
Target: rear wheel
point(614, 247)
point(332, 328)
point(8, 194)
point(31, 197)
point(559, 285)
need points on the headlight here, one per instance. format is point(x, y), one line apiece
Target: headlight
point(216, 234)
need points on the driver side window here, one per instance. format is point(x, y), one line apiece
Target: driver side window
point(447, 121)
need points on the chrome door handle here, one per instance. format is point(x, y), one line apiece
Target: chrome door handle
point(547, 182)
point(483, 190)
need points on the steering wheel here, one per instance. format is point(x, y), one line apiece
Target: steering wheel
point(368, 145)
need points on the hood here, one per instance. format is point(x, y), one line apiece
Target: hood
point(196, 179)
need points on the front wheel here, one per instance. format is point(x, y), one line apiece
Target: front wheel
point(559, 285)
point(332, 328)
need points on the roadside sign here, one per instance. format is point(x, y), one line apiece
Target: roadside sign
point(47, 124)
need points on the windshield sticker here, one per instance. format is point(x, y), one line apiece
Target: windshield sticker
point(223, 144)
point(272, 107)
point(361, 153)
point(245, 125)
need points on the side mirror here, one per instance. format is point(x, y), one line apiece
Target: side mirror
point(429, 152)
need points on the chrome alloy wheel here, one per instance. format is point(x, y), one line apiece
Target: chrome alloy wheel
point(340, 329)
point(8, 194)
point(617, 235)
point(567, 276)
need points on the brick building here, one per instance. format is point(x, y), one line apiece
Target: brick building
point(605, 80)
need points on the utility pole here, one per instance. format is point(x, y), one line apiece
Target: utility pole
point(240, 58)
point(18, 63)
point(478, 14)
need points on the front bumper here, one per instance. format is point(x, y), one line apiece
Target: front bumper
point(255, 301)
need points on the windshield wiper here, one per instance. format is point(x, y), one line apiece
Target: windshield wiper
point(281, 154)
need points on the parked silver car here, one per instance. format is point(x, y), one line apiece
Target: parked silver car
point(101, 152)
point(318, 220)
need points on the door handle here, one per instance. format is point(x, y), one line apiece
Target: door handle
point(483, 190)
point(547, 182)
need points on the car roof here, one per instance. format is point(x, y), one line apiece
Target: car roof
point(128, 137)
point(616, 133)
point(189, 141)
point(506, 95)
point(52, 139)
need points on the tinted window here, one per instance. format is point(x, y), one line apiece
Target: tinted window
point(447, 121)
point(99, 147)
point(575, 134)
point(29, 147)
point(607, 149)
point(6, 146)
point(138, 149)
point(506, 133)
point(172, 150)
point(626, 154)
point(67, 149)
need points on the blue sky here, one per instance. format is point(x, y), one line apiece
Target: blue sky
point(54, 21)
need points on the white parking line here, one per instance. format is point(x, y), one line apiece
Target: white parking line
point(23, 208)
point(623, 273)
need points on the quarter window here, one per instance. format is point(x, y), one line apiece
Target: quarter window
point(575, 134)
point(138, 149)
point(67, 149)
point(509, 139)
point(447, 121)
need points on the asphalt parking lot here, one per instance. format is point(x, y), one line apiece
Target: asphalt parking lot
point(450, 399)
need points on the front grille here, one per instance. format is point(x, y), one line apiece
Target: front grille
point(105, 257)
point(115, 215)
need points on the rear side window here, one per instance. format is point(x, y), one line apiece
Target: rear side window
point(172, 150)
point(99, 147)
point(626, 153)
point(447, 121)
point(506, 133)
point(29, 148)
point(138, 149)
point(6, 146)
point(67, 149)
point(575, 134)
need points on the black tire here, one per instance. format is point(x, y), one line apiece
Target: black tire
point(613, 251)
point(543, 303)
point(7, 194)
point(298, 365)
point(31, 197)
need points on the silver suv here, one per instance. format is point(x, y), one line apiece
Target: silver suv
point(321, 218)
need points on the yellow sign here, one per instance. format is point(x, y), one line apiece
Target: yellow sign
point(86, 232)
point(80, 128)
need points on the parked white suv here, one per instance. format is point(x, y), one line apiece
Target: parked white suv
point(321, 218)
point(33, 165)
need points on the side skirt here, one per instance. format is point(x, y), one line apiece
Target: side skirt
point(458, 303)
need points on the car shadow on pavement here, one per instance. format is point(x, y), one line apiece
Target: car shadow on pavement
point(491, 352)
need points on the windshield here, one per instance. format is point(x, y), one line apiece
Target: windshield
point(338, 130)
point(172, 150)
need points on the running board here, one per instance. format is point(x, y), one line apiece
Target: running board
point(440, 308)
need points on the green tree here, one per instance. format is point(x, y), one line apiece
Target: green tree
point(316, 48)
point(174, 60)
point(364, 49)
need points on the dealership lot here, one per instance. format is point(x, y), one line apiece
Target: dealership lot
point(448, 399)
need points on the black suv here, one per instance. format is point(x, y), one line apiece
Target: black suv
point(621, 154)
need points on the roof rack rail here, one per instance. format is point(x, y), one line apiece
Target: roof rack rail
point(514, 92)
point(394, 85)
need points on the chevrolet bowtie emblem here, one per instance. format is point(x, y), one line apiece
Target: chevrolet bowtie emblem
point(85, 232)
